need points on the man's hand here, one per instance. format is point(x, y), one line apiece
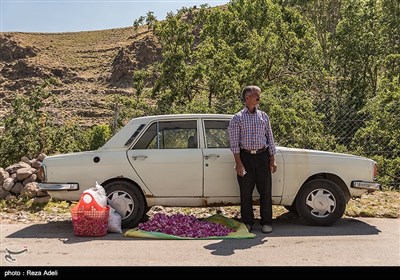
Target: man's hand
point(239, 167)
point(272, 164)
point(240, 170)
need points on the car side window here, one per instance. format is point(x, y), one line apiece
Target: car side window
point(147, 138)
point(217, 135)
point(169, 135)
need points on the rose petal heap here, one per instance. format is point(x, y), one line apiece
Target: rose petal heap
point(184, 226)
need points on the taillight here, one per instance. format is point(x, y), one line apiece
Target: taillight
point(41, 174)
point(375, 170)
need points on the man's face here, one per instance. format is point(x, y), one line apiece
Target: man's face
point(253, 99)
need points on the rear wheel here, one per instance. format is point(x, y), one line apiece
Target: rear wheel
point(127, 200)
point(321, 202)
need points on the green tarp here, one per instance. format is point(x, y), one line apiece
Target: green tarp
point(240, 232)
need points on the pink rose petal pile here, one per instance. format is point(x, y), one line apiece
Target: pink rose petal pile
point(184, 226)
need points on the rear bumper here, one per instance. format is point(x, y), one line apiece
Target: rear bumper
point(59, 186)
point(371, 186)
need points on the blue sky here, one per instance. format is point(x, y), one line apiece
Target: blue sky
point(84, 15)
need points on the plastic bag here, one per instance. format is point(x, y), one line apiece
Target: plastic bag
point(99, 194)
point(114, 221)
point(99, 189)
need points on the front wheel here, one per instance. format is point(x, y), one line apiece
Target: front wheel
point(127, 200)
point(321, 202)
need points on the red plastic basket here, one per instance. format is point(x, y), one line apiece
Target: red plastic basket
point(89, 218)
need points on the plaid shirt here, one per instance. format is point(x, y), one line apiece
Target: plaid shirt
point(251, 131)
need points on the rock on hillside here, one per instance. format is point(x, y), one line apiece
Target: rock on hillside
point(88, 67)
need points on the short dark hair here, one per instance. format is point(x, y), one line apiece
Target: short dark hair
point(249, 89)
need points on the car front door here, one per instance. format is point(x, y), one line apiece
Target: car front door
point(168, 160)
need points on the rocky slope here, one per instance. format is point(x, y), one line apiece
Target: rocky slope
point(89, 67)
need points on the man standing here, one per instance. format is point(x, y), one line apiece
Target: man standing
point(252, 144)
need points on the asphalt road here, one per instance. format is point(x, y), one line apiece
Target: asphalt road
point(350, 242)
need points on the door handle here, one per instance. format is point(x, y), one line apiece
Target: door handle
point(139, 157)
point(211, 156)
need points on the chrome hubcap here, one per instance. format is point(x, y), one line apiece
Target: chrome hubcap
point(122, 202)
point(321, 203)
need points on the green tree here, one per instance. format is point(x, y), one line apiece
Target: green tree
point(126, 108)
point(139, 82)
point(391, 38)
point(98, 136)
point(380, 138)
point(318, 63)
point(177, 76)
point(358, 57)
point(209, 55)
point(30, 130)
point(324, 16)
point(138, 22)
point(66, 138)
point(23, 126)
point(295, 120)
point(150, 20)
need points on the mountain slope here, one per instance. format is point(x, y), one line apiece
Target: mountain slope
point(88, 67)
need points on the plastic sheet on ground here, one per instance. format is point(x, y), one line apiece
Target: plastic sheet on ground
point(240, 232)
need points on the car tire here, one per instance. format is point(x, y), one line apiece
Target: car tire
point(321, 202)
point(127, 200)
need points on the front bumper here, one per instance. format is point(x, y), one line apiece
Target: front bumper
point(59, 186)
point(371, 186)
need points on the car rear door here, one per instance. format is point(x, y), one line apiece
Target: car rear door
point(219, 173)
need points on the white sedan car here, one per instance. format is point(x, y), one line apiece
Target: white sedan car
point(185, 160)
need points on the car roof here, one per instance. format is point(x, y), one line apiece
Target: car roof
point(181, 116)
point(119, 140)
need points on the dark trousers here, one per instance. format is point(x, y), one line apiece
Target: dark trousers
point(259, 175)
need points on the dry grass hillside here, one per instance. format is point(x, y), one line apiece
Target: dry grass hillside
point(88, 67)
